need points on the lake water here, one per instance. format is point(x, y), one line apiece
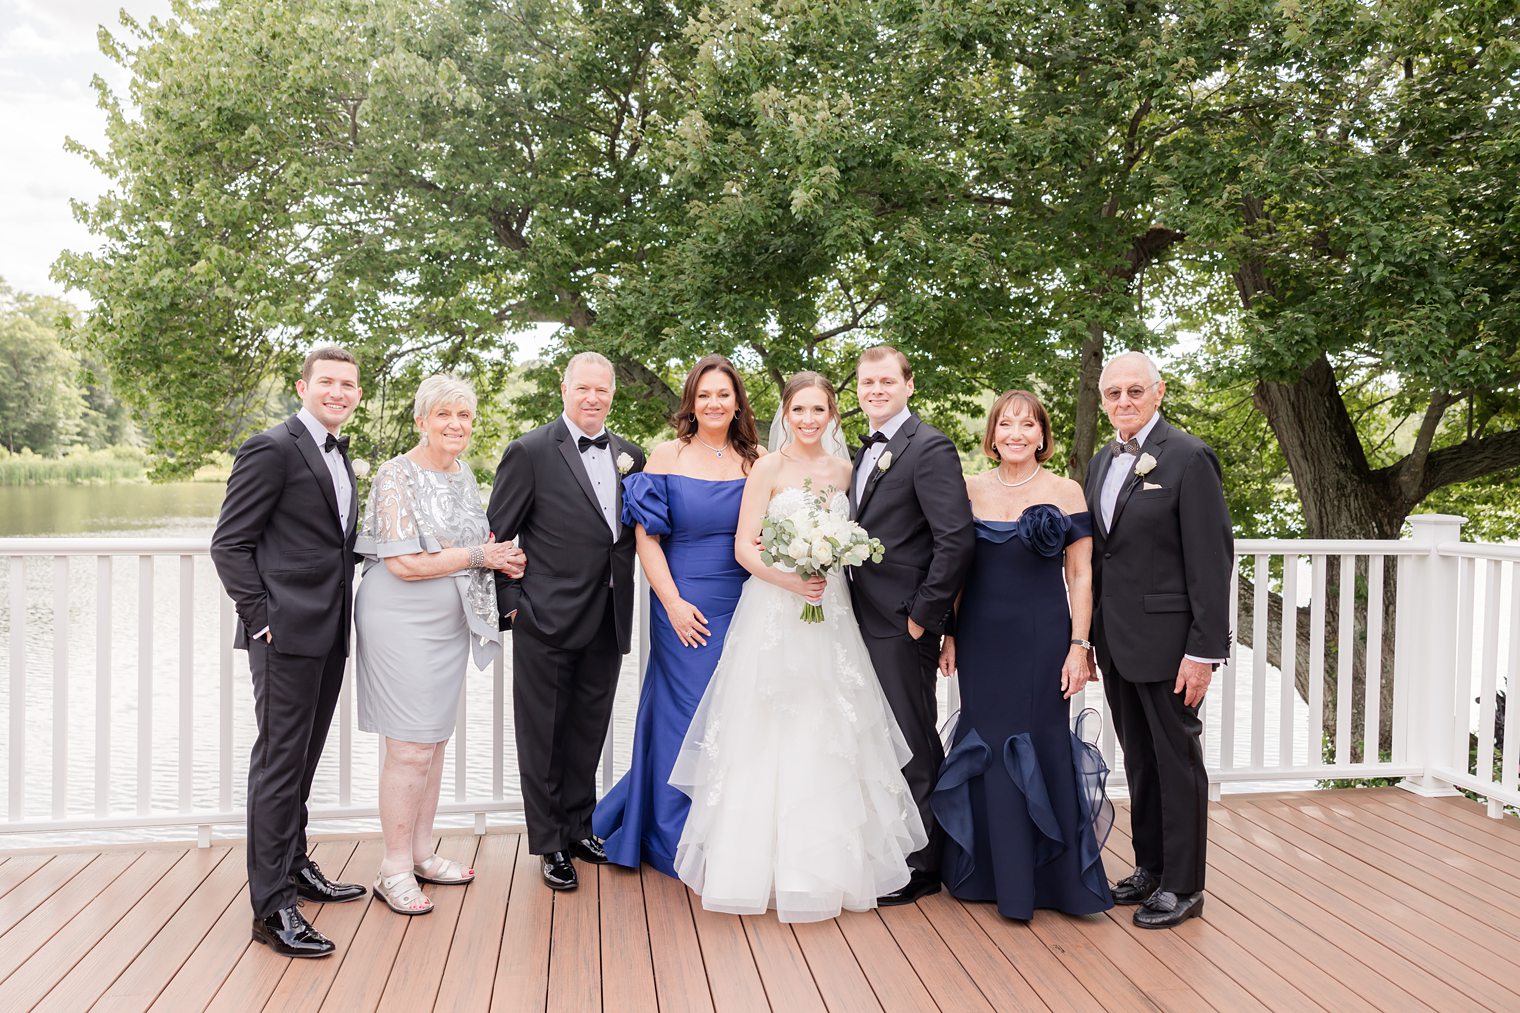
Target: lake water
point(189, 510)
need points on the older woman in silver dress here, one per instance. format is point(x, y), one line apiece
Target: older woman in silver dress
point(426, 601)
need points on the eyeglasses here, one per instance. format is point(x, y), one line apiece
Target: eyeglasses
point(1135, 393)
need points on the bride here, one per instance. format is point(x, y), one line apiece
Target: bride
point(793, 760)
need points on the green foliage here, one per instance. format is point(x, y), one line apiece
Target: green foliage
point(77, 466)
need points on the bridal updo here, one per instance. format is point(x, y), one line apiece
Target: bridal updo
point(802, 381)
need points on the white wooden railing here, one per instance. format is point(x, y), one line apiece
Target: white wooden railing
point(126, 707)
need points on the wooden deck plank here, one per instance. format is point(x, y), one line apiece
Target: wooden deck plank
point(838, 975)
point(304, 984)
point(14, 870)
point(627, 965)
point(1353, 891)
point(418, 971)
point(1097, 946)
point(34, 930)
point(999, 980)
point(256, 971)
point(575, 948)
point(117, 948)
point(943, 975)
point(522, 969)
point(789, 985)
point(680, 977)
point(1051, 980)
point(365, 963)
point(893, 980)
point(471, 968)
point(1449, 826)
point(1490, 927)
point(39, 886)
point(1385, 977)
point(1213, 938)
point(161, 959)
point(732, 973)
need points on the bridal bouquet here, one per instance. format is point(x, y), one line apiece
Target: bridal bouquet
point(815, 542)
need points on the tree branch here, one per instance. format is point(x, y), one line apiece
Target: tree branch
point(1469, 460)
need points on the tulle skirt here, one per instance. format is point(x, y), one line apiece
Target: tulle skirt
point(793, 763)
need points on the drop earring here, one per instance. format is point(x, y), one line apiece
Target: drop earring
point(424, 441)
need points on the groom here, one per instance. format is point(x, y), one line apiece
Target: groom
point(907, 490)
point(558, 491)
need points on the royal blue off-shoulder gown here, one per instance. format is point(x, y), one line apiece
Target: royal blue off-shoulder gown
point(642, 816)
point(1020, 795)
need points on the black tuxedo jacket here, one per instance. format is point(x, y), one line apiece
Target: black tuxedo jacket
point(1161, 571)
point(542, 498)
point(277, 547)
point(917, 506)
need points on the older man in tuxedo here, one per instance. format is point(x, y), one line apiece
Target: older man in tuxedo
point(1162, 550)
point(284, 550)
point(558, 491)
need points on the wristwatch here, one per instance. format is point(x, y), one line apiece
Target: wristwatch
point(1076, 642)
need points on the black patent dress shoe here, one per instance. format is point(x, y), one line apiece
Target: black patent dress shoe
point(1136, 887)
point(312, 885)
point(589, 849)
point(920, 885)
point(289, 934)
point(1165, 909)
point(559, 871)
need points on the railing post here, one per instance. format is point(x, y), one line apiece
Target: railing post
point(1425, 656)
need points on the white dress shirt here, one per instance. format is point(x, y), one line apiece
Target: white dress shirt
point(600, 469)
point(1108, 497)
point(873, 453)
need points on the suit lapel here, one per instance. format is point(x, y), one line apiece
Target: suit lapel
point(572, 455)
point(1153, 445)
point(895, 447)
point(860, 455)
point(313, 457)
point(617, 445)
point(1097, 471)
point(353, 498)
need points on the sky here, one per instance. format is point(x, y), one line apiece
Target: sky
point(48, 54)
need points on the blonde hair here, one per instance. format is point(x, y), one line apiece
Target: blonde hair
point(589, 359)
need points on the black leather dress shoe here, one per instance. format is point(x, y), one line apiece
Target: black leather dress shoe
point(920, 884)
point(312, 885)
point(589, 849)
point(1136, 887)
point(559, 871)
point(1165, 909)
point(289, 934)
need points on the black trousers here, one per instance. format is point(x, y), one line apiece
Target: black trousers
point(561, 703)
point(294, 699)
point(908, 671)
point(1168, 785)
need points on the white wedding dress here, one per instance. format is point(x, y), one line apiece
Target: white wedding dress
point(793, 763)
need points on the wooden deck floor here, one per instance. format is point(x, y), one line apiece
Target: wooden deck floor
point(1371, 899)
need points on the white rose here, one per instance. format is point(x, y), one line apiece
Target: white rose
point(823, 552)
point(624, 463)
point(885, 462)
point(797, 549)
point(360, 466)
point(857, 555)
point(1145, 464)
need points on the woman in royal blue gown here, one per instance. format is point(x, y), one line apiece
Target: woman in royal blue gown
point(686, 505)
point(1020, 795)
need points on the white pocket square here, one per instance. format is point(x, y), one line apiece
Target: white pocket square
point(1149, 486)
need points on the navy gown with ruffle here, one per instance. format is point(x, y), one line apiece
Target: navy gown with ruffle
point(642, 816)
point(1020, 795)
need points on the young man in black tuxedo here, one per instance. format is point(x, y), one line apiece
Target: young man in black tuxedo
point(1162, 554)
point(284, 550)
point(558, 492)
point(908, 490)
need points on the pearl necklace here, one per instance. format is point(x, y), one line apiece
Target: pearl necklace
point(716, 451)
point(997, 473)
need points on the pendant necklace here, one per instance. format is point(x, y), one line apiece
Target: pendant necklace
point(997, 473)
point(717, 451)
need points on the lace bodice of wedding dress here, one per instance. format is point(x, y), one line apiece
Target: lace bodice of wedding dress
point(789, 500)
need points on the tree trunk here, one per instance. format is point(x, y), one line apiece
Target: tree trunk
point(1084, 436)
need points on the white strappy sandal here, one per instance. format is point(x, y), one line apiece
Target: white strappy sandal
point(402, 894)
point(443, 871)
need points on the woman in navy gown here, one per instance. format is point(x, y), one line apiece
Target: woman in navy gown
point(1020, 794)
point(686, 505)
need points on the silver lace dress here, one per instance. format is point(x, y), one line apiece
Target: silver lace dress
point(414, 637)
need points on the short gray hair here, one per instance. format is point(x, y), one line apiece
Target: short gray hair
point(1132, 356)
point(442, 389)
point(589, 359)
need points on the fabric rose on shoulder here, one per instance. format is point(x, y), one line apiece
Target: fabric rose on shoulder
point(1043, 528)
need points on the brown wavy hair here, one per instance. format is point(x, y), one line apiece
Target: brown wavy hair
point(1032, 406)
point(742, 434)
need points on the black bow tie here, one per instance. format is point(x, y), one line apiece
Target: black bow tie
point(341, 442)
point(1129, 446)
point(876, 437)
point(600, 442)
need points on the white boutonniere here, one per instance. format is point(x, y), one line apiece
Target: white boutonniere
point(624, 463)
point(360, 466)
point(1145, 464)
point(885, 461)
